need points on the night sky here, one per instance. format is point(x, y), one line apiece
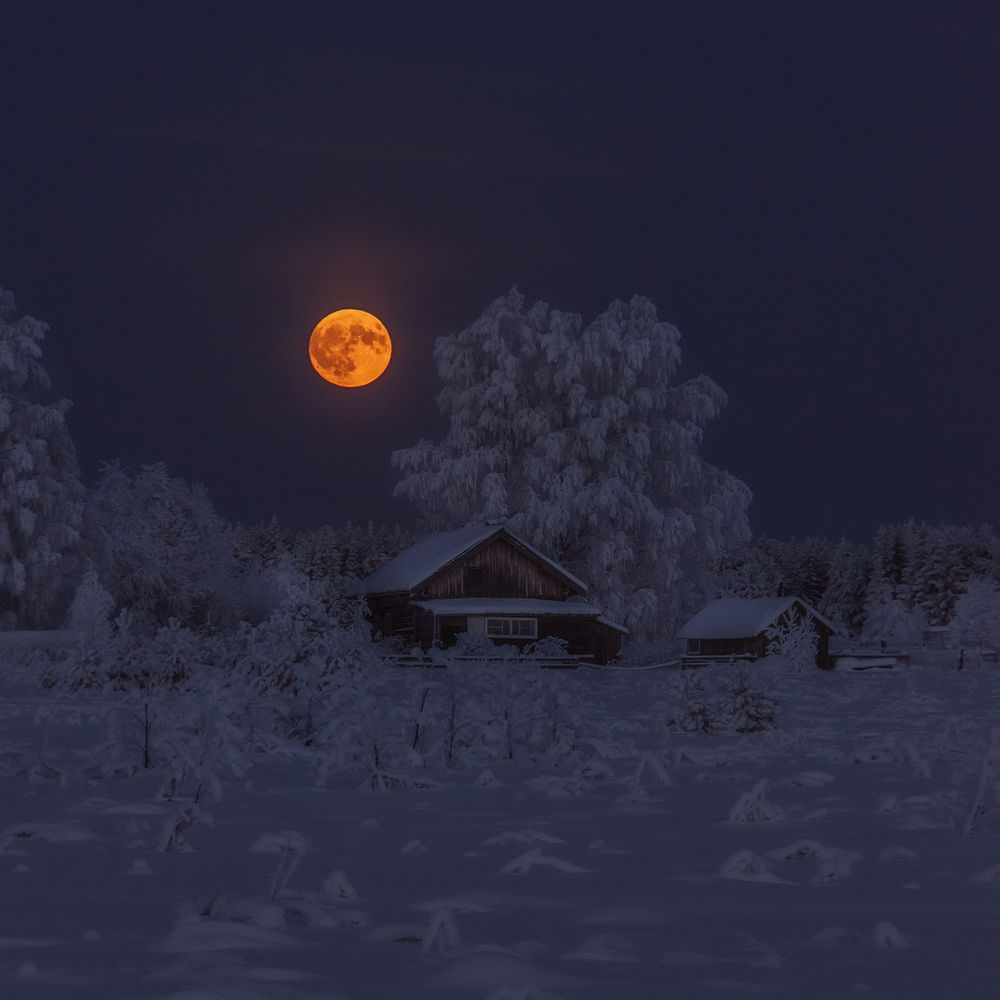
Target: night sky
point(809, 191)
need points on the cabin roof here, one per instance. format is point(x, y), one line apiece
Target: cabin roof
point(742, 617)
point(434, 552)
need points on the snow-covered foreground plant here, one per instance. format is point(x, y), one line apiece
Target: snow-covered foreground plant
point(795, 641)
point(722, 698)
point(491, 831)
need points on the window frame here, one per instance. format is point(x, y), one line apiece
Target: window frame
point(506, 627)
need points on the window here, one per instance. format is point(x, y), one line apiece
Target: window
point(694, 645)
point(521, 628)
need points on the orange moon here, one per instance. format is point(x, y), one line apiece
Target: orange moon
point(350, 347)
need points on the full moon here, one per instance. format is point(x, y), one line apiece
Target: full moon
point(350, 347)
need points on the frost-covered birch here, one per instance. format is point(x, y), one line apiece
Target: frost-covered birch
point(580, 438)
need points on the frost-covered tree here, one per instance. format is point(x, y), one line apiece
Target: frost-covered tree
point(40, 491)
point(889, 561)
point(976, 621)
point(160, 548)
point(347, 553)
point(844, 597)
point(890, 620)
point(263, 545)
point(939, 574)
point(805, 568)
point(579, 438)
point(925, 568)
point(749, 570)
point(795, 641)
point(90, 610)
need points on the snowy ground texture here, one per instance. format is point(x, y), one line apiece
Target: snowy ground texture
point(851, 851)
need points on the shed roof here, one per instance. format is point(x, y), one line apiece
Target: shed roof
point(742, 617)
point(433, 552)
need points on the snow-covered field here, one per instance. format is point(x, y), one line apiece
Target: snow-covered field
point(851, 851)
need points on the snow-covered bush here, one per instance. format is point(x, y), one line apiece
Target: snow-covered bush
point(161, 549)
point(694, 711)
point(794, 640)
point(721, 699)
point(754, 807)
point(127, 660)
point(90, 611)
point(314, 633)
point(893, 622)
point(977, 615)
point(746, 707)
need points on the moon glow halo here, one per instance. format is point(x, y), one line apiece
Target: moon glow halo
point(350, 348)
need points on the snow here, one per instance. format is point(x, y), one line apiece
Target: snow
point(826, 857)
point(435, 551)
point(507, 606)
point(740, 618)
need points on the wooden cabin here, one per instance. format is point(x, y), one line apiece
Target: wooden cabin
point(736, 628)
point(485, 580)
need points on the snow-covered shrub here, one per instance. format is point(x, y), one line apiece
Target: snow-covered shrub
point(310, 637)
point(975, 772)
point(746, 707)
point(551, 646)
point(199, 741)
point(364, 724)
point(519, 713)
point(754, 807)
point(795, 641)
point(89, 613)
point(160, 548)
point(128, 660)
point(647, 652)
point(695, 710)
point(476, 645)
point(290, 847)
point(721, 698)
point(893, 622)
point(977, 615)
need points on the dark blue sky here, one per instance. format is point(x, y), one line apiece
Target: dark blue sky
point(810, 195)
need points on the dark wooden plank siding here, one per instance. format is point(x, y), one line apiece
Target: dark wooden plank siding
point(584, 636)
point(497, 569)
point(423, 628)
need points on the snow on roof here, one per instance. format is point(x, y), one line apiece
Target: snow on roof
point(433, 552)
point(508, 606)
point(615, 625)
point(425, 557)
point(742, 617)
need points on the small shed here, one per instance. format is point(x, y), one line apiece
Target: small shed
point(485, 579)
point(736, 628)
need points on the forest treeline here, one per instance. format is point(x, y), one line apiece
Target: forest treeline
point(911, 577)
point(571, 433)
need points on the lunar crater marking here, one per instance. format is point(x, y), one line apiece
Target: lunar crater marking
point(350, 348)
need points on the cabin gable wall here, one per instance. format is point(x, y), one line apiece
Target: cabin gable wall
point(496, 569)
